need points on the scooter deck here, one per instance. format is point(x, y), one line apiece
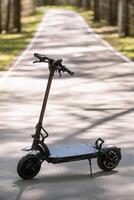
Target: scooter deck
point(72, 150)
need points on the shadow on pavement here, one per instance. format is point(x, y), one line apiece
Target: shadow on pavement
point(23, 184)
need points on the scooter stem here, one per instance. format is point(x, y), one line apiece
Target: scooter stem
point(51, 74)
point(39, 124)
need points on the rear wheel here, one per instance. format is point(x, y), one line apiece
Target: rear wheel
point(29, 166)
point(109, 160)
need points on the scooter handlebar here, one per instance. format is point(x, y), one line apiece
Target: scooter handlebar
point(56, 63)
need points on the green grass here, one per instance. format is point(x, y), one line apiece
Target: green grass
point(11, 45)
point(125, 44)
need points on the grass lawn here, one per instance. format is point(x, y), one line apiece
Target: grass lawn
point(11, 45)
point(123, 44)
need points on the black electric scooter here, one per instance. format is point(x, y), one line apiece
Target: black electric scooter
point(30, 165)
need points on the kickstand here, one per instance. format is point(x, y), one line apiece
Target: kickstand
point(90, 164)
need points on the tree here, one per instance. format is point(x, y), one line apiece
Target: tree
point(112, 18)
point(52, 2)
point(123, 17)
point(7, 25)
point(96, 10)
point(0, 16)
point(86, 4)
point(17, 15)
point(126, 17)
point(79, 3)
point(66, 2)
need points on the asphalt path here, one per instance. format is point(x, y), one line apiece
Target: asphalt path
point(98, 101)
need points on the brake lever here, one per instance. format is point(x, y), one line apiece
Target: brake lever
point(35, 61)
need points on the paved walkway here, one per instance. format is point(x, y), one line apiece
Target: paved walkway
point(98, 101)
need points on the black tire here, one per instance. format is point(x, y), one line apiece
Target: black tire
point(28, 166)
point(109, 160)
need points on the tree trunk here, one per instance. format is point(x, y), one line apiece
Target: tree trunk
point(96, 10)
point(120, 18)
point(0, 17)
point(79, 3)
point(41, 2)
point(33, 6)
point(89, 4)
point(112, 17)
point(86, 4)
point(17, 15)
point(66, 2)
point(123, 18)
point(126, 20)
point(52, 2)
point(8, 16)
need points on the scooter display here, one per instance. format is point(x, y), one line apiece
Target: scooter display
point(29, 165)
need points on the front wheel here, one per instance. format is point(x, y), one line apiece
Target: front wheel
point(28, 166)
point(109, 160)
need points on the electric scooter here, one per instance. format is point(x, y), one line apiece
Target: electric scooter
point(29, 165)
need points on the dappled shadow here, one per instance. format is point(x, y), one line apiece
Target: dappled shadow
point(23, 185)
point(96, 102)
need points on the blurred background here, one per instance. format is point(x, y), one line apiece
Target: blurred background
point(112, 19)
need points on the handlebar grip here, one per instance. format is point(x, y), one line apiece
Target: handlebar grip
point(40, 57)
point(36, 55)
point(68, 70)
